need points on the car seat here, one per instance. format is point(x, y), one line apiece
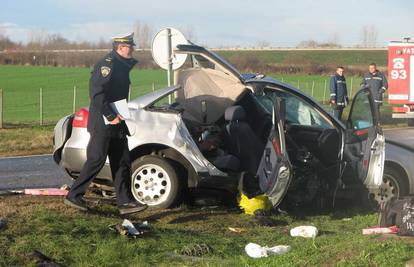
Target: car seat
point(241, 141)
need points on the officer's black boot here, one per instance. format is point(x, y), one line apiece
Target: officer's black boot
point(77, 203)
point(131, 207)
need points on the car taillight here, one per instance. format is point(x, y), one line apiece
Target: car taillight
point(81, 118)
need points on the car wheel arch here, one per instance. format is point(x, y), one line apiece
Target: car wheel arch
point(175, 157)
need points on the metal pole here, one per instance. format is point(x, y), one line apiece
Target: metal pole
point(74, 100)
point(41, 106)
point(324, 93)
point(298, 84)
point(352, 81)
point(129, 93)
point(313, 86)
point(169, 49)
point(1, 108)
point(153, 87)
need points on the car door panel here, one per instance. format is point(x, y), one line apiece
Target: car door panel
point(274, 170)
point(364, 142)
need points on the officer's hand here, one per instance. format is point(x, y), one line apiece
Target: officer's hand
point(333, 102)
point(115, 121)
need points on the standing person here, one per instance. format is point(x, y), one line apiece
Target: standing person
point(339, 93)
point(109, 82)
point(377, 84)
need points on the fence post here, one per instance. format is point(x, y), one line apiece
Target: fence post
point(313, 86)
point(153, 87)
point(352, 80)
point(1, 108)
point(41, 106)
point(324, 93)
point(298, 85)
point(74, 99)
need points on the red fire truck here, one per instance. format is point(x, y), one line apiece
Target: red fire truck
point(401, 79)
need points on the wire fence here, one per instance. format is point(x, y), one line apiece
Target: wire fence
point(46, 105)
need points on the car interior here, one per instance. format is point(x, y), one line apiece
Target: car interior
point(231, 125)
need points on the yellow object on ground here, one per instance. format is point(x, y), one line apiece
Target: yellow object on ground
point(250, 205)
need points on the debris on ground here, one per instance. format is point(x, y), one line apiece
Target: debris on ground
point(306, 231)
point(196, 250)
point(43, 260)
point(46, 192)
point(380, 230)
point(257, 251)
point(65, 187)
point(237, 230)
point(251, 205)
point(130, 229)
point(3, 223)
point(10, 192)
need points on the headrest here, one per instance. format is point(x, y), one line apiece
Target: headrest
point(235, 113)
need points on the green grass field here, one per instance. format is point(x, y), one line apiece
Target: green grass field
point(337, 57)
point(21, 89)
point(74, 238)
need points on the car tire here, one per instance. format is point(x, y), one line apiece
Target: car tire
point(394, 184)
point(154, 181)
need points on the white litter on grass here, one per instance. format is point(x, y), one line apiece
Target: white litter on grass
point(132, 231)
point(257, 251)
point(304, 231)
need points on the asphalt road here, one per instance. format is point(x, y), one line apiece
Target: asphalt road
point(41, 171)
point(400, 135)
point(31, 172)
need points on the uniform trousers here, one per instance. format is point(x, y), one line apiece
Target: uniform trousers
point(99, 147)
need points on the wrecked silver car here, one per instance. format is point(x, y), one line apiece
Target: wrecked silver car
point(228, 131)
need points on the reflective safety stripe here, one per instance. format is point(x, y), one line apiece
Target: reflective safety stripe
point(378, 101)
point(377, 78)
point(340, 104)
point(333, 94)
point(339, 81)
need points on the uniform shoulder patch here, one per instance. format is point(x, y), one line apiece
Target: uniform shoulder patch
point(108, 59)
point(105, 71)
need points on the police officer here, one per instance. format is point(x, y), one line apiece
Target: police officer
point(109, 82)
point(377, 84)
point(339, 93)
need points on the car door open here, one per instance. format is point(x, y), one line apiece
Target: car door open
point(364, 141)
point(275, 171)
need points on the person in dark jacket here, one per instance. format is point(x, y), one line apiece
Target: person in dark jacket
point(109, 83)
point(339, 93)
point(377, 83)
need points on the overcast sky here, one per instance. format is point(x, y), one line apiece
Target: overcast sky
point(214, 22)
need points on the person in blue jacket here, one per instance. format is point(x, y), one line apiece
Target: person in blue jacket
point(339, 93)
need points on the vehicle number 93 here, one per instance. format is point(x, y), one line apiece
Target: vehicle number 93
point(398, 71)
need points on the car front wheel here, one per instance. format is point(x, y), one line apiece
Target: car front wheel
point(393, 185)
point(154, 182)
